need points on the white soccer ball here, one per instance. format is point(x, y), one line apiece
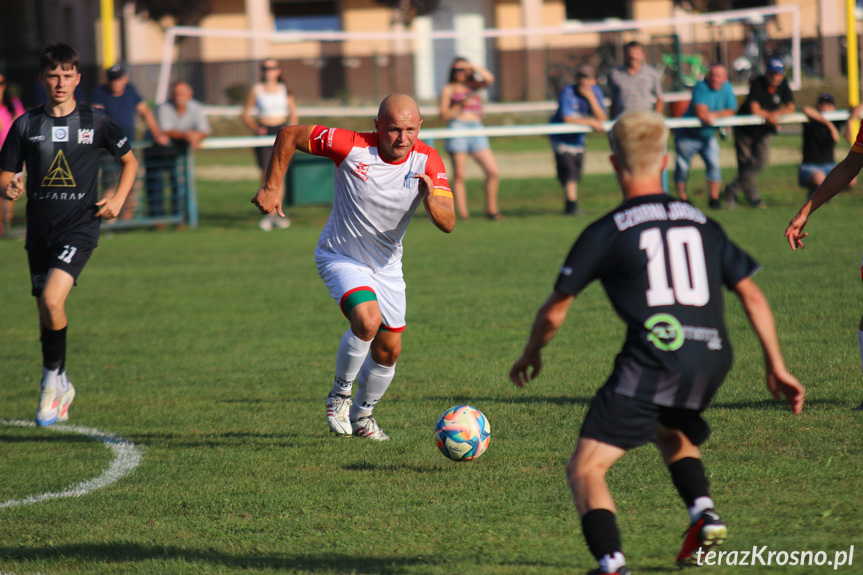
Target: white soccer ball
point(462, 433)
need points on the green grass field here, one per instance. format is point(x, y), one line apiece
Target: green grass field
point(212, 350)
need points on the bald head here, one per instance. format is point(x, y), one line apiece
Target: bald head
point(397, 105)
point(398, 126)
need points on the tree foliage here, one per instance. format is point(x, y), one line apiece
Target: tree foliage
point(405, 11)
point(185, 13)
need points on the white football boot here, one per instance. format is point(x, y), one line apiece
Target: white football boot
point(368, 428)
point(338, 414)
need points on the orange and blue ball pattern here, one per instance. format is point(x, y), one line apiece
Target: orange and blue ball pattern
point(462, 433)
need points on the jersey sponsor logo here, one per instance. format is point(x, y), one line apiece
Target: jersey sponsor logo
point(667, 333)
point(59, 174)
point(330, 134)
point(59, 134)
point(442, 176)
point(361, 171)
point(409, 180)
point(85, 136)
point(121, 142)
point(36, 138)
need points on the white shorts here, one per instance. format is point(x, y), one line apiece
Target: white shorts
point(351, 282)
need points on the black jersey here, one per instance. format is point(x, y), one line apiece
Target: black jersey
point(662, 263)
point(62, 158)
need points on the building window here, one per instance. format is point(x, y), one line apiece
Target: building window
point(307, 16)
point(587, 11)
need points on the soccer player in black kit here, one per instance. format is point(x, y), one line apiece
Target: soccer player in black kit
point(662, 264)
point(60, 144)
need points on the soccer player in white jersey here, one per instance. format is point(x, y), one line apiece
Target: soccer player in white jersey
point(61, 144)
point(381, 178)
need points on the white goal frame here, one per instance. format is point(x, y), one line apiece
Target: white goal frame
point(172, 34)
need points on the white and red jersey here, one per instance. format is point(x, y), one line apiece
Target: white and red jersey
point(374, 199)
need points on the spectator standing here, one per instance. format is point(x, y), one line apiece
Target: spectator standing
point(10, 108)
point(771, 98)
point(820, 136)
point(275, 108)
point(183, 121)
point(461, 107)
point(712, 98)
point(123, 102)
point(635, 85)
point(580, 103)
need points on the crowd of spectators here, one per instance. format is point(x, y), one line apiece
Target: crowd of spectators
point(179, 125)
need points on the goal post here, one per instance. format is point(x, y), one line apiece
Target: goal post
point(428, 49)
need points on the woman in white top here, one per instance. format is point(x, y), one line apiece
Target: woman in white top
point(274, 106)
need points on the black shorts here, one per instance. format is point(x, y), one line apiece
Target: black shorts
point(70, 257)
point(569, 167)
point(628, 423)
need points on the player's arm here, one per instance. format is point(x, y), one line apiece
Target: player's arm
point(438, 203)
point(11, 188)
point(838, 179)
point(780, 381)
point(288, 141)
point(109, 208)
point(548, 321)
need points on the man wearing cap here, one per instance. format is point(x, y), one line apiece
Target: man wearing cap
point(771, 98)
point(121, 100)
point(712, 99)
point(819, 144)
point(580, 103)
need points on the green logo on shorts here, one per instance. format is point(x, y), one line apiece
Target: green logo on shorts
point(666, 333)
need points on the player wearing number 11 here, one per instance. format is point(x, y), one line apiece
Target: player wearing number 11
point(663, 265)
point(61, 144)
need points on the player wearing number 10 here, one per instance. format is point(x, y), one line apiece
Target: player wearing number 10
point(662, 264)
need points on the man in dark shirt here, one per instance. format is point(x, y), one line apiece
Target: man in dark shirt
point(60, 143)
point(819, 145)
point(121, 100)
point(769, 97)
point(663, 264)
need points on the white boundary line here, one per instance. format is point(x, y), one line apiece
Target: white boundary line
point(127, 456)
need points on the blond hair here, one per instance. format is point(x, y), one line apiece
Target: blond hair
point(638, 140)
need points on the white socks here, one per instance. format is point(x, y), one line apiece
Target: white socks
point(700, 505)
point(349, 360)
point(372, 383)
point(51, 378)
point(611, 563)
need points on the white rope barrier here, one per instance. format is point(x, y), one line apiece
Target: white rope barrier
point(530, 129)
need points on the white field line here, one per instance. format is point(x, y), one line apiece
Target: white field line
point(127, 456)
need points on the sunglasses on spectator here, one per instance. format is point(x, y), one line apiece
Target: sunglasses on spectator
point(269, 67)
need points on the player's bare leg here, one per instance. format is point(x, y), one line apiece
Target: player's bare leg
point(586, 474)
point(683, 459)
point(353, 352)
point(57, 392)
point(860, 342)
point(372, 383)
